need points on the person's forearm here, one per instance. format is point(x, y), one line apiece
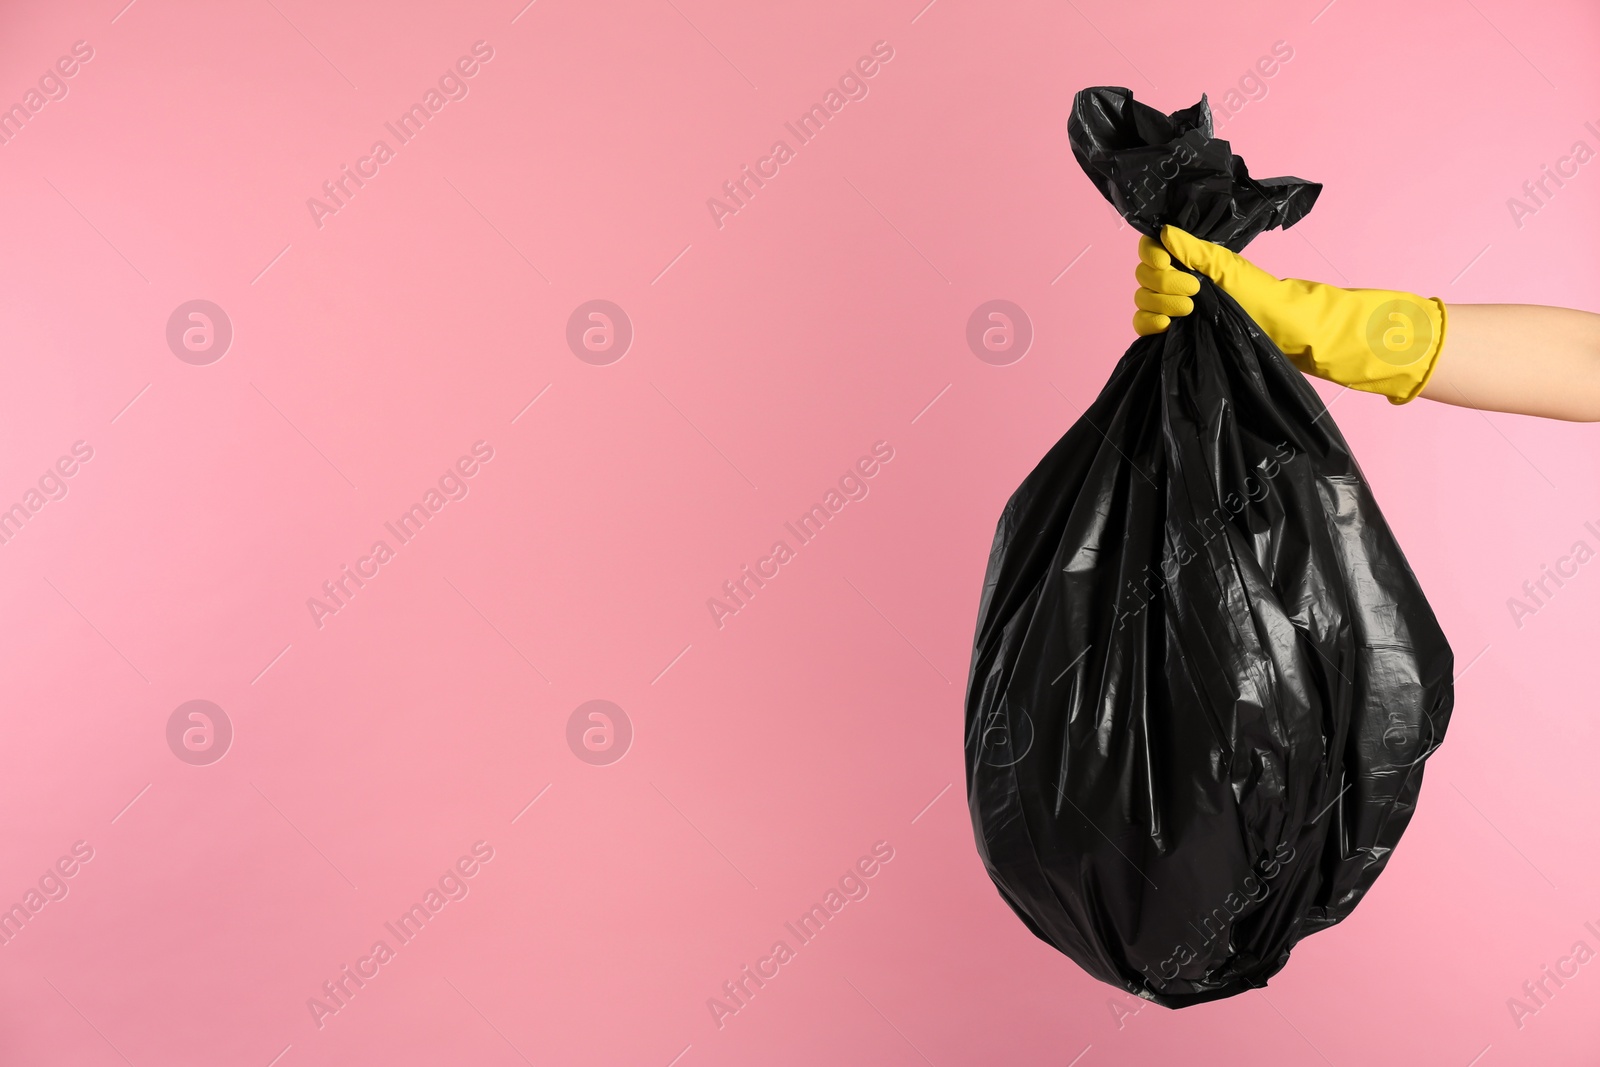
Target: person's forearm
point(1522, 358)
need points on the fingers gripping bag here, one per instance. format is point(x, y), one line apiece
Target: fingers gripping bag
point(1204, 680)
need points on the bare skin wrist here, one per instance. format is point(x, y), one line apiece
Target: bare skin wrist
point(1521, 358)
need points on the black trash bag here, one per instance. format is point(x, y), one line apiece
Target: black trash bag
point(1204, 680)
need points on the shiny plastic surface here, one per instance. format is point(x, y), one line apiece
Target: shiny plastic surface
point(1205, 679)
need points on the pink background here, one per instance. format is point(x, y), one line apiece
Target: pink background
point(769, 354)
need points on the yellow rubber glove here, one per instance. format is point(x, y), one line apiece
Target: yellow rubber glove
point(1377, 340)
point(1164, 290)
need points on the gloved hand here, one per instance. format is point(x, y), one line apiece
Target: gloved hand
point(1164, 290)
point(1376, 340)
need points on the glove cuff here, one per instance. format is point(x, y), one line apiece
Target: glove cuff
point(1432, 359)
